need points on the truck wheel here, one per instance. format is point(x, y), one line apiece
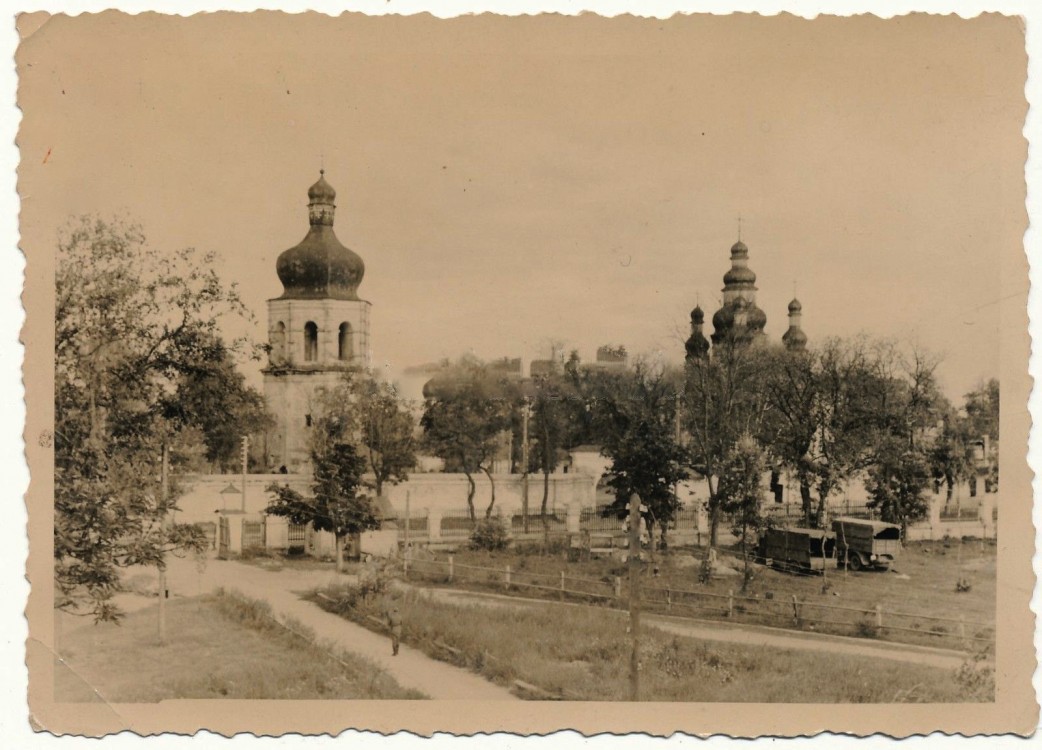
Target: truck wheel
point(855, 563)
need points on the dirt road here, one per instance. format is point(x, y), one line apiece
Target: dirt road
point(282, 589)
point(752, 635)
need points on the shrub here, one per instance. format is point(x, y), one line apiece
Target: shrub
point(866, 629)
point(977, 677)
point(490, 534)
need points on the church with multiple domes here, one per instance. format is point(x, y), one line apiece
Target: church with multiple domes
point(317, 328)
point(739, 320)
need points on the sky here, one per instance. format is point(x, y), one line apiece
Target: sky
point(511, 182)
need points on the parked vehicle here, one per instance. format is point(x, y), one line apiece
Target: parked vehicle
point(861, 543)
point(797, 549)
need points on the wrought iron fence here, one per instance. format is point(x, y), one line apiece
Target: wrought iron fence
point(253, 536)
point(592, 519)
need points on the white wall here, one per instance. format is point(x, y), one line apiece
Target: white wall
point(443, 492)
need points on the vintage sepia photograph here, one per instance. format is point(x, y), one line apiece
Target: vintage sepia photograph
point(546, 372)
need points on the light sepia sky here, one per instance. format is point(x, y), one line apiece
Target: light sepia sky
point(509, 182)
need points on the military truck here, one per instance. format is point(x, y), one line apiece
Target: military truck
point(862, 543)
point(797, 550)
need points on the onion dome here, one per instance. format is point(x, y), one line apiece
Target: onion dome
point(756, 319)
point(697, 346)
point(321, 191)
point(739, 249)
point(739, 320)
point(740, 275)
point(794, 339)
point(320, 267)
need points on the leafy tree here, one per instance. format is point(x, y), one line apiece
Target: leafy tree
point(468, 409)
point(948, 456)
point(553, 408)
point(741, 487)
point(130, 324)
point(213, 395)
point(372, 414)
point(897, 483)
point(638, 415)
point(725, 399)
point(902, 413)
point(337, 504)
point(794, 422)
point(982, 419)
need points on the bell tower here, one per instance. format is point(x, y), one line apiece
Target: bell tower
point(317, 329)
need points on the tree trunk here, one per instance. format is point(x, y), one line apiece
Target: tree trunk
point(714, 522)
point(471, 489)
point(338, 542)
point(492, 483)
point(806, 499)
point(745, 557)
point(542, 508)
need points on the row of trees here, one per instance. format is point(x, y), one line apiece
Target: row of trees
point(848, 408)
point(141, 371)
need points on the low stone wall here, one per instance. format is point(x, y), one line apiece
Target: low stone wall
point(208, 494)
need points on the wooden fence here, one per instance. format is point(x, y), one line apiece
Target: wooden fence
point(778, 610)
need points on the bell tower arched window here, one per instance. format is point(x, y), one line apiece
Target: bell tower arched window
point(310, 342)
point(344, 352)
point(278, 343)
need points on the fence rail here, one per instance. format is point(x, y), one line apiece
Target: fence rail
point(788, 610)
point(458, 524)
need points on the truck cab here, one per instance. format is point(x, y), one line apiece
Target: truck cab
point(863, 543)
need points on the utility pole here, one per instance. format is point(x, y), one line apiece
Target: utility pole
point(524, 464)
point(245, 454)
point(407, 522)
point(162, 563)
point(634, 564)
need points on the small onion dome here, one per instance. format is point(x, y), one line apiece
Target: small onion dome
point(739, 249)
point(320, 266)
point(321, 191)
point(795, 306)
point(697, 316)
point(756, 318)
point(740, 275)
point(723, 318)
point(794, 338)
point(696, 347)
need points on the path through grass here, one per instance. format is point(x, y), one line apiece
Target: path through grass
point(223, 646)
point(579, 654)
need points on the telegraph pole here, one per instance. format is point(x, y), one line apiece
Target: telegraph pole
point(524, 465)
point(634, 564)
point(245, 454)
point(162, 563)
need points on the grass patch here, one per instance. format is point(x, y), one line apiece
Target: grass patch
point(578, 653)
point(924, 586)
point(223, 646)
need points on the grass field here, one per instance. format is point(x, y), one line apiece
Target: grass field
point(223, 646)
point(578, 654)
point(921, 585)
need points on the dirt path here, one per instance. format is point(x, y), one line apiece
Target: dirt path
point(752, 635)
point(282, 589)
